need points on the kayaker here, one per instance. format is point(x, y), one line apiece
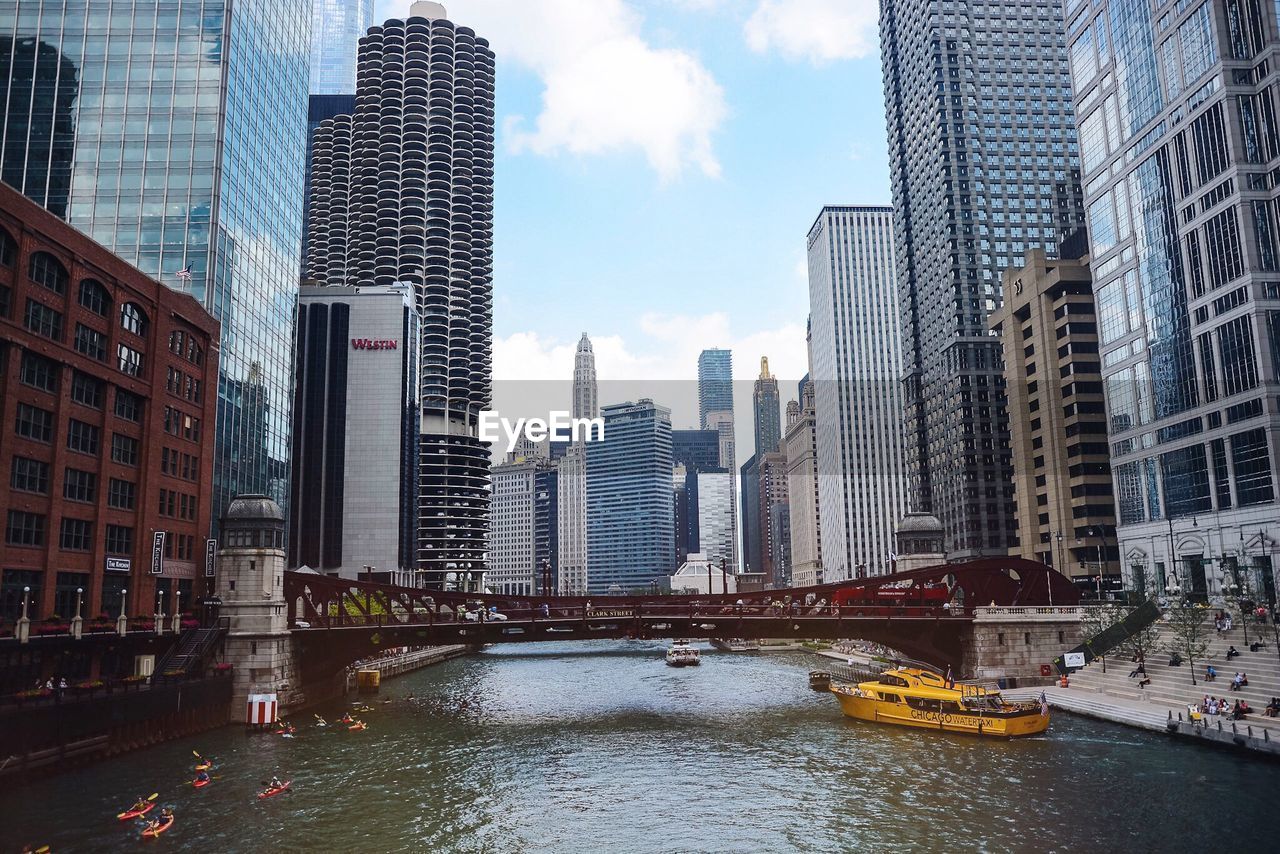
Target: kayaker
point(202, 777)
point(166, 816)
point(276, 783)
point(140, 805)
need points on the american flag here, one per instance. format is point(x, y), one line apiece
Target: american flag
point(1044, 705)
point(185, 274)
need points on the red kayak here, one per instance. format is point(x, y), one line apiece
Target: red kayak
point(284, 787)
point(200, 784)
point(159, 828)
point(134, 813)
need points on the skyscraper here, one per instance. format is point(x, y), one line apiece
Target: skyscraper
point(764, 397)
point(432, 226)
point(336, 28)
point(802, 491)
point(179, 159)
point(715, 384)
point(523, 515)
point(630, 515)
point(572, 479)
point(856, 356)
point(983, 165)
point(1177, 131)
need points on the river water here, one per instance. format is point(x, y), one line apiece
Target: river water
point(600, 747)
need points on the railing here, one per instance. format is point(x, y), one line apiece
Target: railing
point(1019, 613)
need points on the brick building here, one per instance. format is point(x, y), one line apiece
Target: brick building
point(108, 396)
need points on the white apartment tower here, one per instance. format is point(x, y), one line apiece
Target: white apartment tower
point(572, 498)
point(856, 355)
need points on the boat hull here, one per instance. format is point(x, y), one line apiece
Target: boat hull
point(1008, 725)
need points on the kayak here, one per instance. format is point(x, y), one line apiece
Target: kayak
point(357, 727)
point(284, 787)
point(200, 784)
point(134, 812)
point(160, 828)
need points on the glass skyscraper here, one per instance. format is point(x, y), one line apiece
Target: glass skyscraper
point(984, 166)
point(173, 134)
point(1180, 149)
point(715, 384)
point(336, 28)
point(631, 537)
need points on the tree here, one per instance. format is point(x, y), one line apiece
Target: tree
point(1189, 632)
point(1143, 643)
point(1097, 619)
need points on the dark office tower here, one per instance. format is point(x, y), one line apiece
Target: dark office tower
point(39, 131)
point(1177, 108)
point(984, 167)
point(187, 121)
point(696, 450)
point(715, 384)
point(767, 409)
point(402, 191)
point(752, 557)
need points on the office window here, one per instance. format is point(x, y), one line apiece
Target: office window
point(124, 449)
point(46, 270)
point(39, 372)
point(128, 405)
point(43, 320)
point(34, 423)
point(119, 540)
point(82, 437)
point(94, 297)
point(8, 249)
point(133, 319)
point(91, 342)
point(30, 475)
point(121, 494)
point(1185, 474)
point(1252, 464)
point(76, 535)
point(80, 486)
point(24, 529)
point(1209, 138)
point(1222, 248)
point(1239, 366)
point(87, 390)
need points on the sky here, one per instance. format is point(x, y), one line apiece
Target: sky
point(659, 164)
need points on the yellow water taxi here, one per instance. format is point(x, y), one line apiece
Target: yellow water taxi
point(910, 696)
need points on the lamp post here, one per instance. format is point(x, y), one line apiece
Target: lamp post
point(159, 626)
point(177, 610)
point(122, 622)
point(23, 629)
point(1102, 533)
point(77, 622)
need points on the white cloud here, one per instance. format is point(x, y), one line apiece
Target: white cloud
point(817, 30)
point(606, 89)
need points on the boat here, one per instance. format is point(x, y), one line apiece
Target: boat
point(200, 784)
point(736, 644)
point(275, 790)
point(358, 726)
point(682, 655)
point(136, 813)
point(921, 697)
point(820, 680)
point(165, 822)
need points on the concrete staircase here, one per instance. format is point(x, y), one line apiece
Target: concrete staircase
point(1171, 689)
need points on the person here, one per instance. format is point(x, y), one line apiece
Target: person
point(1212, 708)
point(1140, 669)
point(546, 610)
point(1244, 680)
point(1232, 652)
point(586, 609)
point(1210, 674)
point(202, 777)
point(1144, 681)
point(1175, 660)
point(1273, 707)
point(275, 783)
point(139, 804)
point(166, 816)
point(1226, 623)
point(48, 684)
point(1236, 681)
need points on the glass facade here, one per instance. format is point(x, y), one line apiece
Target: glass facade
point(715, 384)
point(173, 134)
point(336, 28)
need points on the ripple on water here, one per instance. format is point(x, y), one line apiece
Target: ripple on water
point(600, 747)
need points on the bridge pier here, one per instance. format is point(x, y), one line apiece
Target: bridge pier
point(1019, 643)
point(251, 568)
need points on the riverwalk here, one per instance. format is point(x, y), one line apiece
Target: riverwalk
point(400, 663)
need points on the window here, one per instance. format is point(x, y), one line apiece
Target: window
point(1239, 366)
point(130, 361)
point(177, 342)
point(66, 599)
point(76, 535)
point(1222, 248)
point(87, 390)
point(8, 249)
point(124, 449)
point(43, 320)
point(133, 319)
point(1209, 138)
point(39, 372)
point(34, 423)
point(82, 437)
point(1186, 481)
point(119, 540)
point(30, 475)
point(46, 270)
point(11, 593)
point(91, 342)
point(24, 529)
point(168, 503)
point(1252, 465)
point(94, 297)
point(128, 406)
point(80, 486)
point(121, 494)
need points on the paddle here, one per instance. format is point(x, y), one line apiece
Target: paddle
point(154, 795)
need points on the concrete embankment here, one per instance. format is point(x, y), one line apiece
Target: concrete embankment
point(401, 663)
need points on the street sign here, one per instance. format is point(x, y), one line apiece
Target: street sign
point(157, 553)
point(210, 552)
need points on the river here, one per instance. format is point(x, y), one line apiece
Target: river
point(600, 747)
